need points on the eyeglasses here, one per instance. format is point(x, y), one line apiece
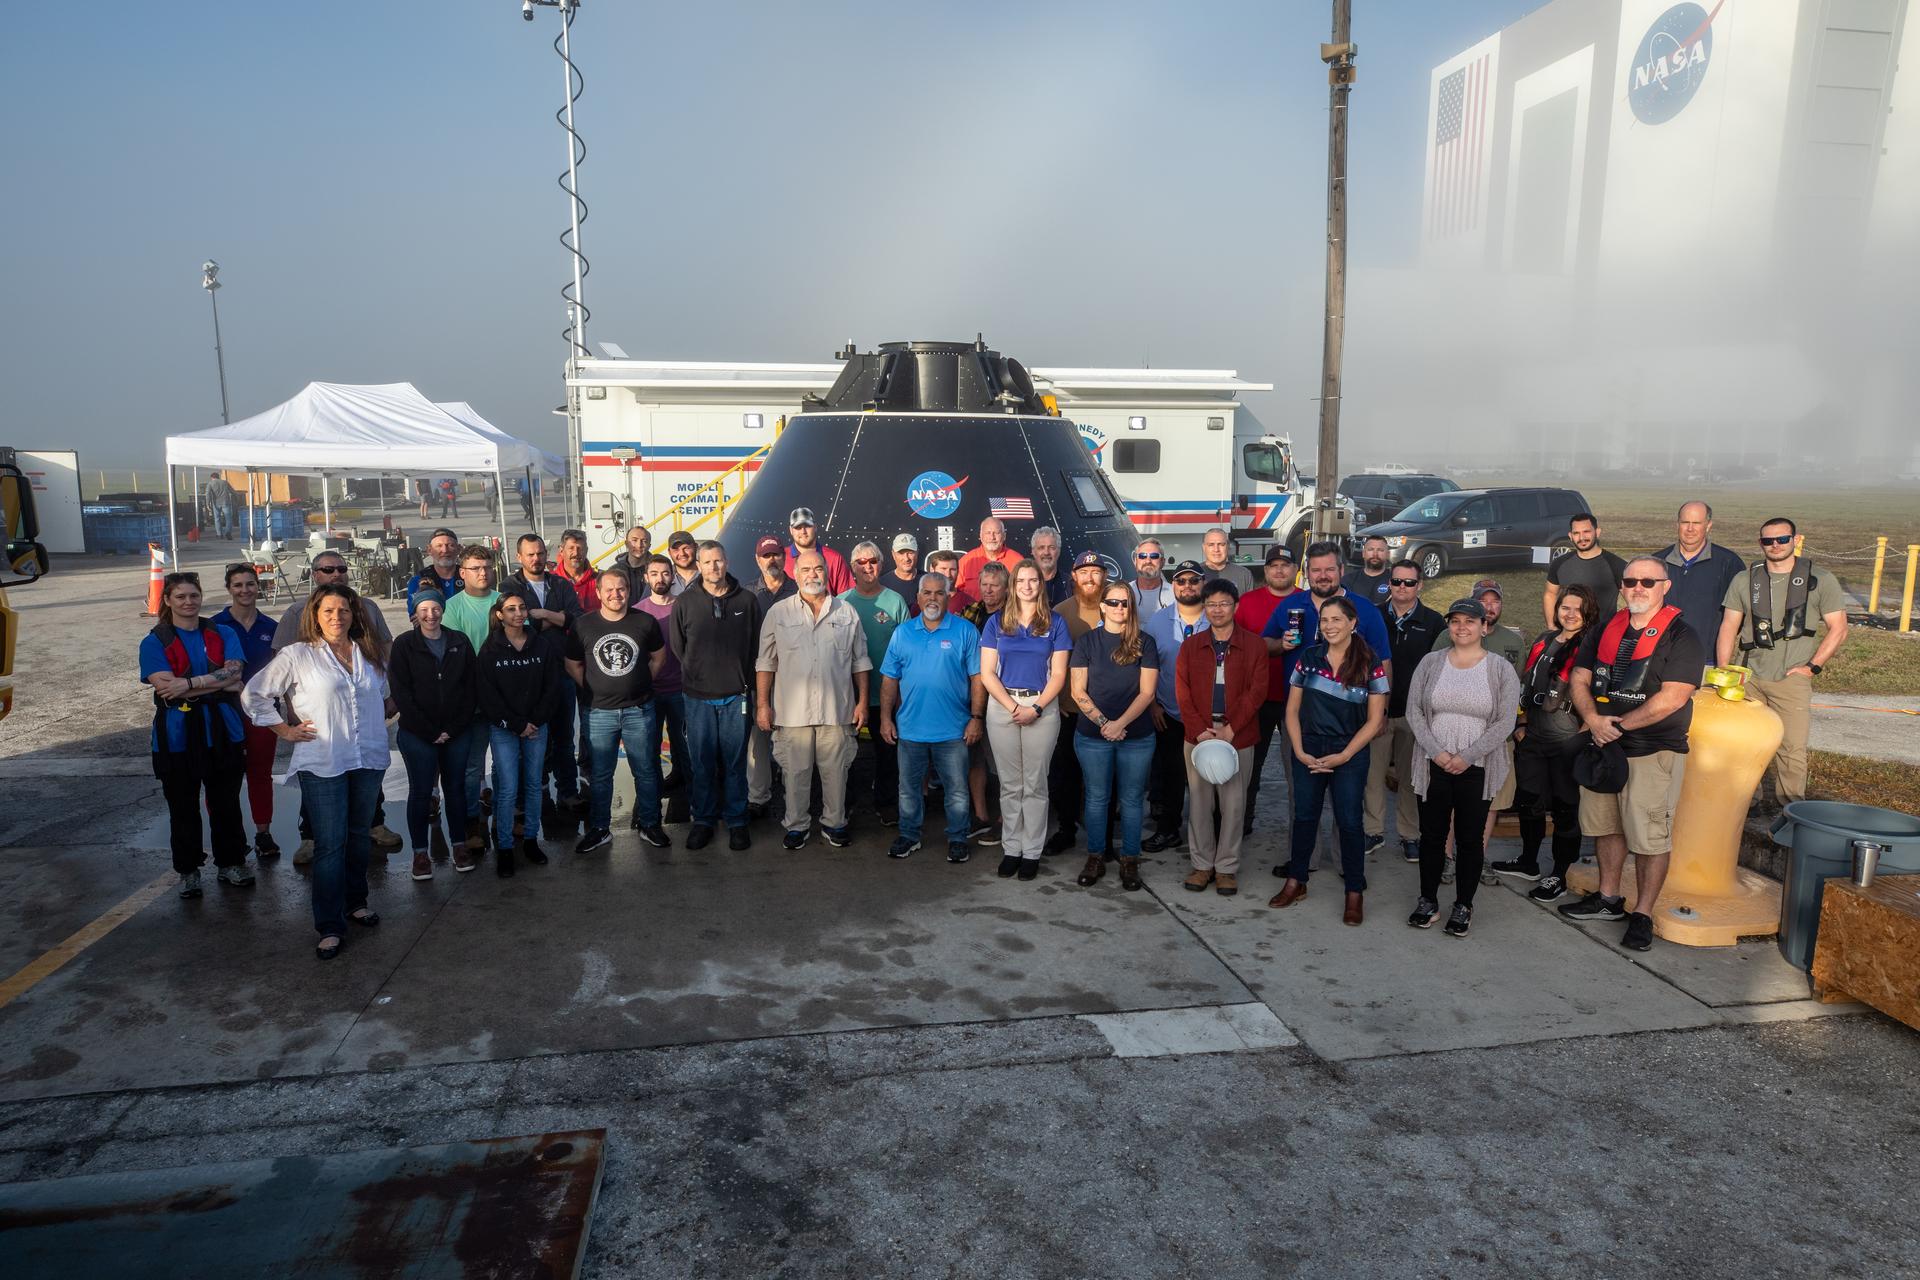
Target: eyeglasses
point(1146, 555)
point(865, 560)
point(1649, 583)
point(1404, 582)
point(1219, 603)
point(1116, 604)
point(1780, 541)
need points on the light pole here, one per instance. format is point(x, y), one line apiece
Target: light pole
point(210, 281)
point(575, 333)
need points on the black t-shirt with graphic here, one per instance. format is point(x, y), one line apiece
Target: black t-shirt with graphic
point(615, 655)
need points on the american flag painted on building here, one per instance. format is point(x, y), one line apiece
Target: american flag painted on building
point(1457, 164)
point(1011, 508)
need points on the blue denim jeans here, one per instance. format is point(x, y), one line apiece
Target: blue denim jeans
point(949, 760)
point(717, 757)
point(1348, 786)
point(517, 764)
point(341, 809)
point(633, 728)
point(477, 740)
point(1109, 767)
point(426, 762)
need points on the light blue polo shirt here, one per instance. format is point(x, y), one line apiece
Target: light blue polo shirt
point(933, 669)
point(1169, 632)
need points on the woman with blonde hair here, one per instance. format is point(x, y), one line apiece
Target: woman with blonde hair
point(1023, 667)
point(1114, 670)
point(335, 680)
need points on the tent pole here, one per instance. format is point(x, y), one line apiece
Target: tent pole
point(500, 509)
point(173, 527)
point(326, 507)
point(251, 538)
point(194, 495)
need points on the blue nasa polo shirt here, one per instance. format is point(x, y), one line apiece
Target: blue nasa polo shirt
point(933, 669)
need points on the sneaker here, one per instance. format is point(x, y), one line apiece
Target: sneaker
point(796, 839)
point(902, 847)
point(1550, 889)
point(1639, 935)
point(264, 846)
point(985, 833)
point(838, 837)
point(463, 859)
point(1529, 871)
point(738, 840)
point(1374, 842)
point(1160, 841)
point(530, 850)
point(1446, 872)
point(1595, 907)
point(656, 836)
point(959, 851)
point(385, 839)
point(598, 838)
point(699, 836)
point(239, 877)
point(304, 854)
point(422, 865)
point(1423, 913)
point(190, 885)
point(1460, 921)
point(1487, 875)
point(1410, 850)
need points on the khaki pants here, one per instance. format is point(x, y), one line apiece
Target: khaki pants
point(759, 765)
point(801, 749)
point(1643, 812)
point(1210, 852)
point(1792, 699)
point(1394, 747)
point(1022, 755)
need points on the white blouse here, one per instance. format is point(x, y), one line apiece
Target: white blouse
point(347, 709)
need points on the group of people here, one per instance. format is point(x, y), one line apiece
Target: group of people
point(1143, 709)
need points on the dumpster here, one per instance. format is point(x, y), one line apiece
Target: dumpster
point(1819, 836)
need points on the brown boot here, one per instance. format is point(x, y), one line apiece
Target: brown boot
point(463, 854)
point(1091, 873)
point(1290, 892)
point(1130, 875)
point(1197, 880)
point(1225, 885)
point(1353, 913)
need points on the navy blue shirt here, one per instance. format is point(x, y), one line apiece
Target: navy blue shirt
point(1700, 589)
point(1332, 712)
point(256, 642)
point(1372, 627)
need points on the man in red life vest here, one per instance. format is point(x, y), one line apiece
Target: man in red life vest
point(1633, 685)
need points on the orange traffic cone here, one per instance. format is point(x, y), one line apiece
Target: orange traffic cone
point(158, 571)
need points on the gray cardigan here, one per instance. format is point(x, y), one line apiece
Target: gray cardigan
point(1487, 750)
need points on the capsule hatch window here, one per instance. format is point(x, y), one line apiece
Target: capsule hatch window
point(1087, 494)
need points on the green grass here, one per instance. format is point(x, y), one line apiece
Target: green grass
point(1885, 784)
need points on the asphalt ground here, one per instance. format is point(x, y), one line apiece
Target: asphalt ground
point(831, 1064)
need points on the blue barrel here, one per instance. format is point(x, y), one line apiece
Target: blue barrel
point(1819, 836)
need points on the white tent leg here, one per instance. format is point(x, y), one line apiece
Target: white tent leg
point(500, 510)
point(194, 496)
point(539, 503)
point(326, 508)
point(173, 525)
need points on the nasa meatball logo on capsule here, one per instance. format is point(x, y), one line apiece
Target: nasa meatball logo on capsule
point(934, 495)
point(1666, 70)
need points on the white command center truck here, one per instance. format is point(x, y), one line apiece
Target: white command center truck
point(1181, 450)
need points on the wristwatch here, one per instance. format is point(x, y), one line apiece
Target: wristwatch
point(1814, 667)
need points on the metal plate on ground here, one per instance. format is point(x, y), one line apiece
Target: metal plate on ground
point(496, 1207)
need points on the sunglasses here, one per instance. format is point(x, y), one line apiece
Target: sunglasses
point(1404, 582)
point(1641, 582)
point(1116, 604)
point(329, 568)
point(1780, 541)
point(1188, 579)
point(865, 560)
point(1146, 555)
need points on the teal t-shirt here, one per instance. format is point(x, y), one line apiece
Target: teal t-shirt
point(880, 615)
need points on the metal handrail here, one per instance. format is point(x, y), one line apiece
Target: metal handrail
point(716, 487)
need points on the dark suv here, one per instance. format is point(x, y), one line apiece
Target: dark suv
point(1470, 529)
point(1380, 497)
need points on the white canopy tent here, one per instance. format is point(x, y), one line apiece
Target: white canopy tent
point(549, 466)
point(334, 429)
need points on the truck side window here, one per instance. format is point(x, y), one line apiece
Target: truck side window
point(1262, 462)
point(1137, 456)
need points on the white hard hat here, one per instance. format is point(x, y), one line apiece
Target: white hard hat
point(1216, 761)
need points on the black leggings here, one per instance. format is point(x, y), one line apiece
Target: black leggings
point(222, 787)
point(1455, 800)
point(1534, 812)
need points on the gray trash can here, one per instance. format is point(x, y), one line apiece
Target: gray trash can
point(1818, 835)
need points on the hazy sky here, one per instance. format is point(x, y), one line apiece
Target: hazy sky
point(1087, 184)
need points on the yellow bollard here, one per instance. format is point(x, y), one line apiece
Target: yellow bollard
point(1879, 567)
point(1906, 595)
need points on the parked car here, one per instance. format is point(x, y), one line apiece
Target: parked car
point(1470, 529)
point(1381, 495)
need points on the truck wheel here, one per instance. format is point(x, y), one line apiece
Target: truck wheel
point(1432, 562)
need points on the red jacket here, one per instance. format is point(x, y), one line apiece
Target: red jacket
point(1246, 684)
point(586, 588)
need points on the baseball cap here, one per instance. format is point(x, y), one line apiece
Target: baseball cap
point(1188, 566)
point(1089, 559)
point(1278, 551)
point(799, 516)
point(681, 538)
point(1468, 609)
point(443, 532)
point(1489, 584)
point(765, 545)
point(906, 542)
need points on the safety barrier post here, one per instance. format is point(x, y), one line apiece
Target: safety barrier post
point(1879, 567)
point(1906, 595)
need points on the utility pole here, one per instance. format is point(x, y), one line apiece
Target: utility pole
point(1328, 520)
point(210, 281)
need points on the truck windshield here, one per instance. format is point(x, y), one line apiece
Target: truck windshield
point(1430, 509)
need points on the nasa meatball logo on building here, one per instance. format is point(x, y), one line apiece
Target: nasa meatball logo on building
point(1666, 70)
point(615, 654)
point(934, 494)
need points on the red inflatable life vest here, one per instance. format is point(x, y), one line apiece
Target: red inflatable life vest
point(1615, 684)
